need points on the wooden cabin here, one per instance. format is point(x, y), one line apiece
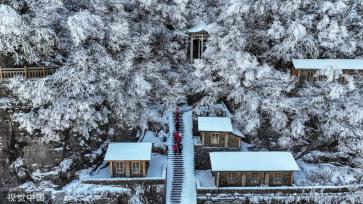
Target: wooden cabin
point(217, 132)
point(306, 69)
point(253, 168)
point(128, 159)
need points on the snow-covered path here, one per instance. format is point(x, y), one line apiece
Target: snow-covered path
point(180, 178)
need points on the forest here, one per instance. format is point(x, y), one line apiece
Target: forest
point(117, 60)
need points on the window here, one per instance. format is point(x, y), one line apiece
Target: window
point(136, 167)
point(254, 178)
point(286, 176)
point(233, 178)
point(120, 167)
point(215, 138)
point(277, 178)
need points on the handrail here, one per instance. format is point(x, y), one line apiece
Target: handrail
point(26, 72)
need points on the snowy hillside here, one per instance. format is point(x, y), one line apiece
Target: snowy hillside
point(123, 65)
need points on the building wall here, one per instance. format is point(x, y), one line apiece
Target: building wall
point(128, 169)
point(226, 140)
point(225, 179)
point(310, 75)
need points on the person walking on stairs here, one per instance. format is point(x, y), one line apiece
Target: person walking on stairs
point(180, 148)
point(175, 149)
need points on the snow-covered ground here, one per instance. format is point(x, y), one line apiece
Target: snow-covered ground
point(205, 178)
point(90, 192)
point(327, 174)
point(156, 166)
point(155, 139)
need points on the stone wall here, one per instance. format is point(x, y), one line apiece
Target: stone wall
point(287, 195)
point(42, 156)
point(7, 132)
point(146, 193)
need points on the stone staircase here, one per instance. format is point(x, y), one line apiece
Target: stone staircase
point(177, 163)
point(181, 176)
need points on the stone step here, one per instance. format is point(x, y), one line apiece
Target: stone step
point(178, 185)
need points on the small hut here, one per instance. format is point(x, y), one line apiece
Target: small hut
point(253, 168)
point(218, 132)
point(306, 69)
point(128, 159)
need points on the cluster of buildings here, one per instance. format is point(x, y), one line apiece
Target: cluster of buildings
point(216, 136)
point(229, 165)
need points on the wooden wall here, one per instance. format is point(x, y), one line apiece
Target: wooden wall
point(128, 169)
point(226, 140)
point(225, 179)
point(311, 76)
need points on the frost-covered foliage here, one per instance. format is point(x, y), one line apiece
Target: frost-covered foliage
point(18, 167)
point(115, 62)
point(253, 40)
point(117, 58)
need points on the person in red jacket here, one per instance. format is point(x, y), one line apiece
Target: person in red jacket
point(177, 138)
point(175, 133)
point(176, 149)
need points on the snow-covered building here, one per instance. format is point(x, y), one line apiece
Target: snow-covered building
point(306, 69)
point(253, 168)
point(128, 159)
point(218, 132)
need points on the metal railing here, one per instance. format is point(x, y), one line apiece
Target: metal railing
point(26, 72)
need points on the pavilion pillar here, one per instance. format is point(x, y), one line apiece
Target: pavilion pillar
point(191, 49)
point(199, 53)
point(201, 47)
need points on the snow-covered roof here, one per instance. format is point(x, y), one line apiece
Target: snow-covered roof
point(202, 27)
point(237, 132)
point(128, 151)
point(253, 161)
point(217, 124)
point(352, 64)
point(213, 108)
